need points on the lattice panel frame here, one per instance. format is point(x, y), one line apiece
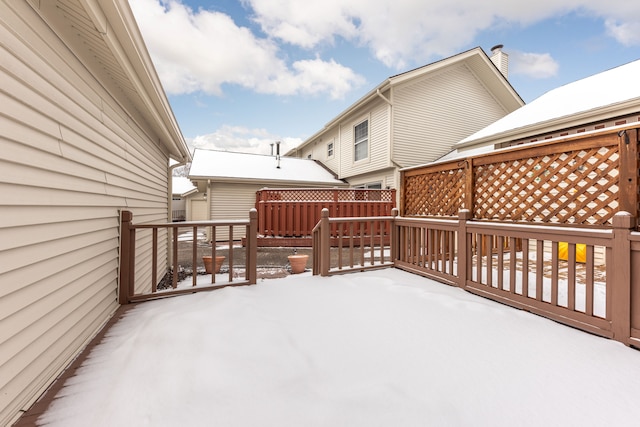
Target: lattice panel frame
point(440, 193)
point(324, 194)
point(572, 187)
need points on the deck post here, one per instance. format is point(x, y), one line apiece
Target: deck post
point(126, 257)
point(628, 148)
point(469, 185)
point(325, 242)
point(393, 236)
point(620, 281)
point(464, 215)
point(252, 248)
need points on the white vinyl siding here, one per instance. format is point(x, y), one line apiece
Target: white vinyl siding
point(333, 162)
point(70, 159)
point(433, 113)
point(378, 124)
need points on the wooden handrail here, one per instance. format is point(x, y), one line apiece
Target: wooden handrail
point(127, 286)
point(515, 264)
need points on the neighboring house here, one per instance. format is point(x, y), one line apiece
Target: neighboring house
point(227, 182)
point(86, 131)
point(181, 189)
point(610, 98)
point(413, 118)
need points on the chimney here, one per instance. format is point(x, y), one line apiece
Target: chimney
point(500, 60)
point(278, 154)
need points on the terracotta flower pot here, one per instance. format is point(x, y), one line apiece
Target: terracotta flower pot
point(208, 263)
point(298, 263)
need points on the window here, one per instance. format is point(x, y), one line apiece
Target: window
point(361, 141)
point(330, 150)
point(370, 186)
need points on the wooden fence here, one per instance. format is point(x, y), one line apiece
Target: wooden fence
point(577, 181)
point(294, 212)
point(515, 264)
point(149, 255)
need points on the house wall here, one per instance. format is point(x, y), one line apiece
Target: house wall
point(232, 201)
point(379, 158)
point(70, 159)
point(434, 112)
point(317, 150)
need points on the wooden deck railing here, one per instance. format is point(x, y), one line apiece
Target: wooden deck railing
point(342, 245)
point(582, 180)
point(147, 259)
point(518, 265)
point(293, 212)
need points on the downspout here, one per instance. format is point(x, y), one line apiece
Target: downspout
point(209, 201)
point(390, 137)
point(170, 195)
point(383, 97)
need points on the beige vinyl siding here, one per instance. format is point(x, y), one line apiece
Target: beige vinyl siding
point(232, 201)
point(378, 116)
point(333, 163)
point(198, 210)
point(70, 159)
point(434, 112)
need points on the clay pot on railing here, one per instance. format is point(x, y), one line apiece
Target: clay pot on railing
point(298, 263)
point(208, 263)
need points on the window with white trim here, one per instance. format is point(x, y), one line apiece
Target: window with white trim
point(361, 141)
point(330, 150)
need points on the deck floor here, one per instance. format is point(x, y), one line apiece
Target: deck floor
point(30, 417)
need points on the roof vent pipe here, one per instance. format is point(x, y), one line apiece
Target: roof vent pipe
point(278, 154)
point(500, 60)
point(271, 148)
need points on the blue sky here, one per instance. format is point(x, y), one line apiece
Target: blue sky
point(242, 74)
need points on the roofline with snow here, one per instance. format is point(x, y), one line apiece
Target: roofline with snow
point(578, 119)
point(408, 75)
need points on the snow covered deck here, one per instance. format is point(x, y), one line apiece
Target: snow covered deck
point(383, 347)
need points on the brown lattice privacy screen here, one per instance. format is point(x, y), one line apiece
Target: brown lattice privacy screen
point(323, 195)
point(583, 180)
point(293, 212)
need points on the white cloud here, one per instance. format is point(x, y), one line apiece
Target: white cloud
point(242, 140)
point(534, 65)
point(400, 33)
point(410, 32)
point(627, 33)
point(205, 50)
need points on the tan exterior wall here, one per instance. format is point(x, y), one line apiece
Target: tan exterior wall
point(379, 158)
point(431, 114)
point(70, 159)
point(232, 201)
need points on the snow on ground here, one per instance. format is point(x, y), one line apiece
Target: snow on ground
point(381, 348)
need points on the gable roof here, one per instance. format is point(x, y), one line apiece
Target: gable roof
point(242, 167)
point(181, 185)
point(476, 59)
point(106, 39)
point(614, 92)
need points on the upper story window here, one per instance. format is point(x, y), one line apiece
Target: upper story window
point(330, 150)
point(361, 141)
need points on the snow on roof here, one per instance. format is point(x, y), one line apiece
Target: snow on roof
point(611, 87)
point(181, 185)
point(213, 164)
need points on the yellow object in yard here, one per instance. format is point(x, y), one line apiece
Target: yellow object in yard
point(581, 251)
